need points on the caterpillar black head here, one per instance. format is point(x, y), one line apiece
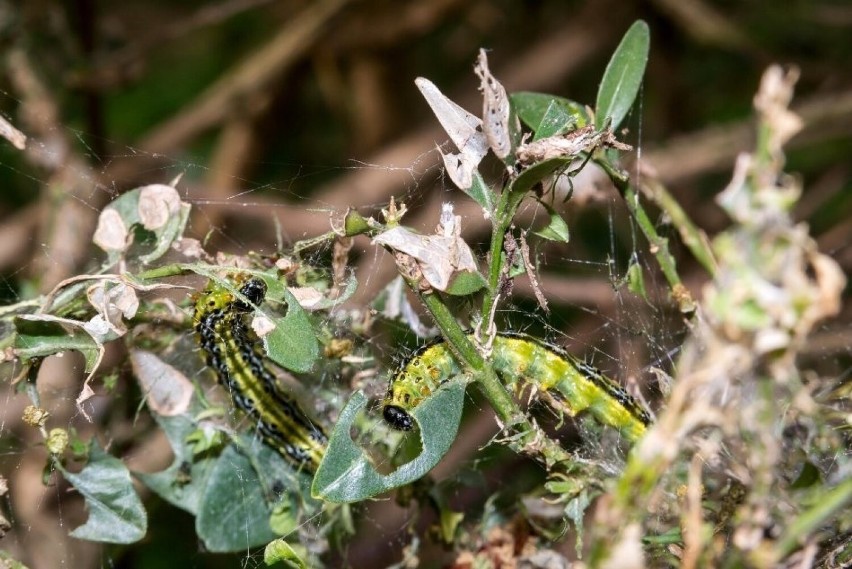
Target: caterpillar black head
point(255, 291)
point(397, 418)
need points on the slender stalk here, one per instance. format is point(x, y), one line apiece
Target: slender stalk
point(505, 407)
point(172, 270)
point(502, 220)
point(659, 245)
point(450, 329)
point(692, 236)
point(529, 439)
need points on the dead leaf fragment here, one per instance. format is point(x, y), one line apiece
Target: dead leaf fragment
point(262, 325)
point(496, 111)
point(111, 233)
point(157, 203)
point(439, 257)
point(114, 303)
point(307, 296)
point(464, 130)
point(167, 391)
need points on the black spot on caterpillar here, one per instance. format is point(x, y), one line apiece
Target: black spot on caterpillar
point(566, 383)
point(237, 357)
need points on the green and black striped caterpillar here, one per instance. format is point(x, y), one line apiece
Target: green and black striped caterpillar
point(566, 383)
point(237, 357)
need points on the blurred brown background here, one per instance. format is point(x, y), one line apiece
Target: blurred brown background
point(293, 111)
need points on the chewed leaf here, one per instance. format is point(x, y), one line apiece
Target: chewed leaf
point(347, 475)
point(464, 130)
point(623, 76)
point(40, 335)
point(442, 257)
point(113, 302)
point(156, 209)
point(116, 514)
point(498, 121)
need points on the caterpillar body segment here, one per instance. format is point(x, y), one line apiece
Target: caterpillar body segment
point(522, 361)
point(237, 358)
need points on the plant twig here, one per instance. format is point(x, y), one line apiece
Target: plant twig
point(528, 440)
point(659, 245)
point(693, 237)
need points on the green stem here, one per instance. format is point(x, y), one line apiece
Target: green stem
point(692, 236)
point(502, 221)
point(450, 329)
point(510, 200)
point(659, 245)
point(507, 410)
point(505, 407)
point(172, 270)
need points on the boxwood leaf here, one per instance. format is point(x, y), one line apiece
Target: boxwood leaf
point(116, 514)
point(346, 473)
point(623, 76)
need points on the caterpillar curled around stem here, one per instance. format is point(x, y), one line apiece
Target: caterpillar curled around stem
point(237, 357)
point(562, 380)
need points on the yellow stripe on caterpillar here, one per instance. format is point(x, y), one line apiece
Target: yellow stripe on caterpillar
point(237, 357)
point(567, 383)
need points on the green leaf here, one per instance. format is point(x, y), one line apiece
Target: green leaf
point(557, 229)
point(354, 224)
point(293, 344)
point(279, 553)
point(115, 513)
point(182, 483)
point(465, 282)
point(154, 212)
point(555, 121)
point(635, 279)
point(623, 76)
point(481, 193)
point(40, 335)
point(346, 473)
point(238, 499)
point(809, 476)
point(540, 111)
point(533, 175)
